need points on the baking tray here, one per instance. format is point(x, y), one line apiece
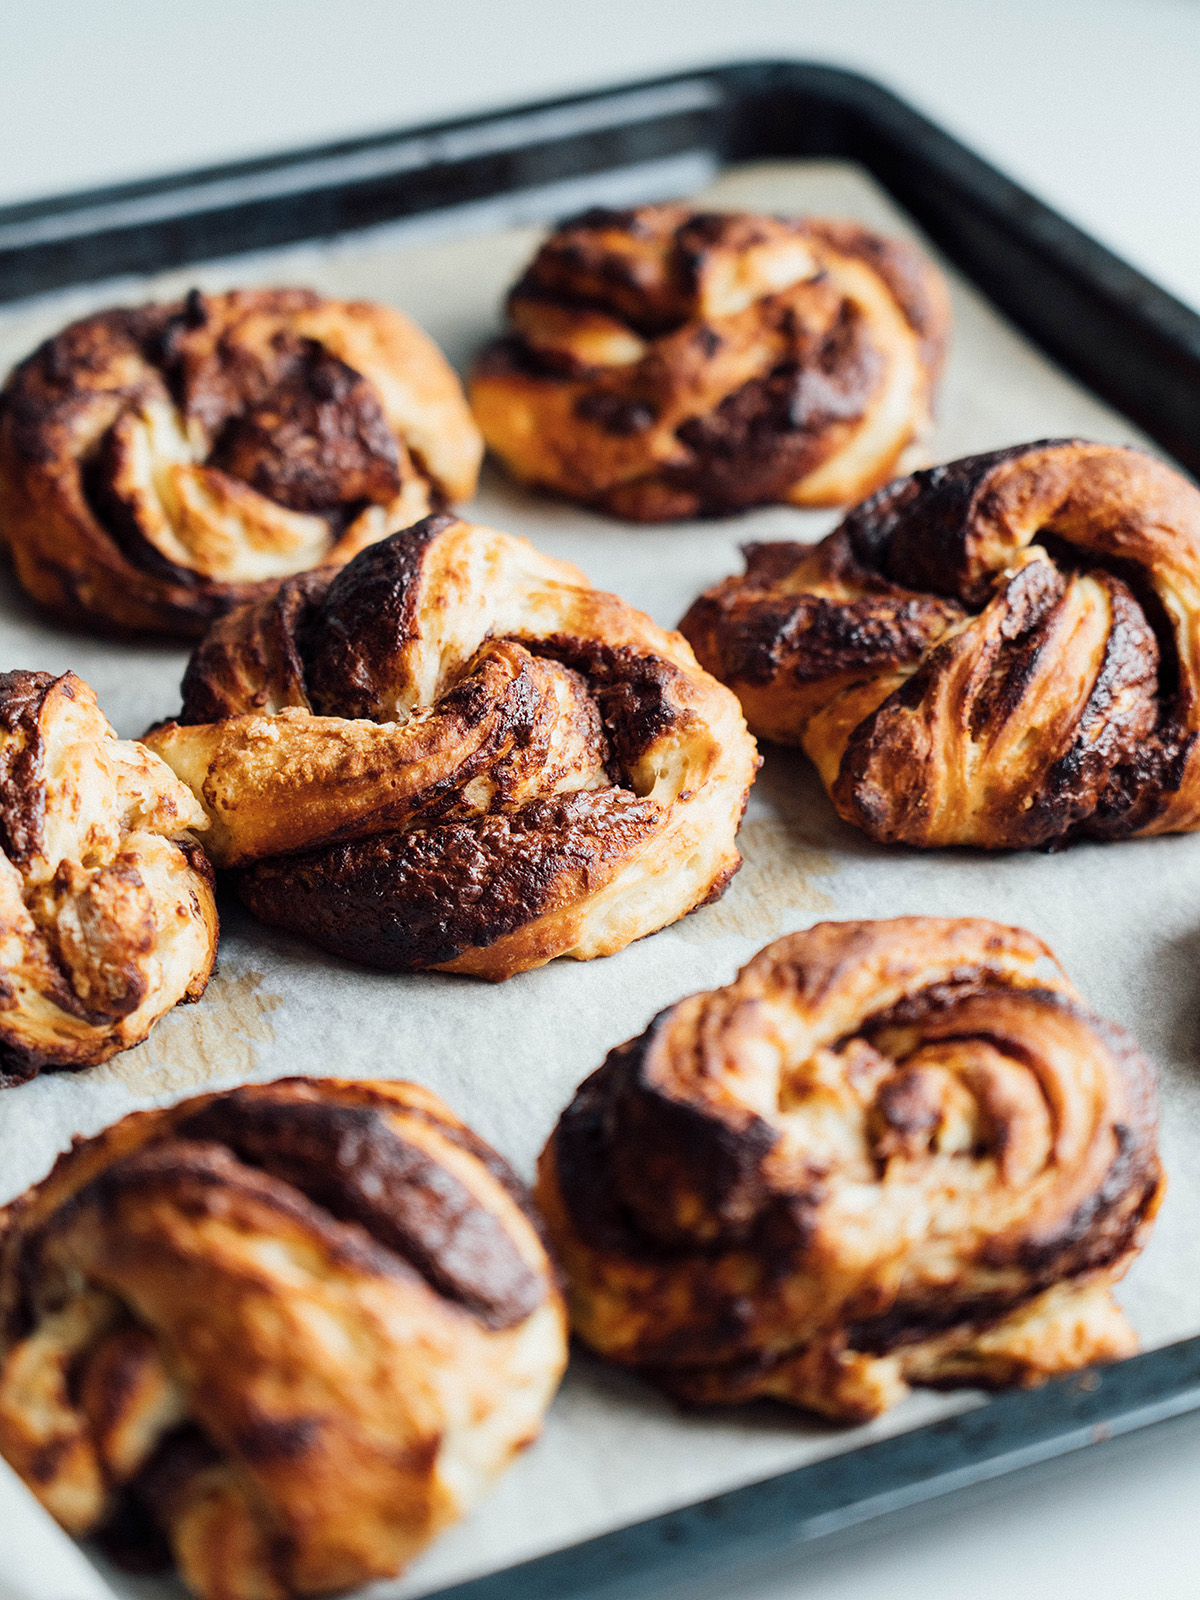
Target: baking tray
point(1118, 332)
point(1128, 341)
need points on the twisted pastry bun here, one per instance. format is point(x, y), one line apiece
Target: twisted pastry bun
point(107, 916)
point(293, 1331)
point(672, 363)
point(888, 1153)
point(160, 465)
point(1004, 651)
point(457, 754)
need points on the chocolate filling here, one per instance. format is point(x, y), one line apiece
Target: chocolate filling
point(349, 1161)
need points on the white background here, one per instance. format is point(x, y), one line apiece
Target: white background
point(1093, 104)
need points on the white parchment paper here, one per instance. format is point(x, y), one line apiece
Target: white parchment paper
point(1123, 918)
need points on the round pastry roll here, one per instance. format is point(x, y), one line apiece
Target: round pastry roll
point(1003, 652)
point(889, 1153)
point(280, 1337)
point(160, 464)
point(456, 753)
point(669, 363)
point(107, 916)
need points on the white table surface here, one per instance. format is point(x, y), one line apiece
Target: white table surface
point(1092, 104)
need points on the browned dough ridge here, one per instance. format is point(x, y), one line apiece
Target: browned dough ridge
point(889, 1153)
point(107, 916)
point(161, 464)
point(457, 754)
point(665, 363)
point(1003, 651)
point(279, 1337)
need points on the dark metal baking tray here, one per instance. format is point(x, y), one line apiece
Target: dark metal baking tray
point(1119, 333)
point(1122, 335)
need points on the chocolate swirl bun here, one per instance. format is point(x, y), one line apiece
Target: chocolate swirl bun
point(889, 1153)
point(672, 363)
point(457, 754)
point(107, 916)
point(282, 1336)
point(1004, 651)
point(160, 465)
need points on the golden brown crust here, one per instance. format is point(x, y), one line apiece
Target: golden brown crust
point(107, 917)
point(1003, 651)
point(888, 1153)
point(369, 1261)
point(667, 363)
point(457, 754)
point(161, 464)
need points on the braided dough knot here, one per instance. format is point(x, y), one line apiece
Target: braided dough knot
point(669, 363)
point(159, 465)
point(1003, 651)
point(107, 916)
point(458, 754)
point(888, 1153)
point(283, 1335)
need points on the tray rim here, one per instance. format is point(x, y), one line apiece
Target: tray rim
point(765, 1518)
point(1113, 328)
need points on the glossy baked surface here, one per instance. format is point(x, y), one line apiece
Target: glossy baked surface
point(107, 917)
point(1003, 651)
point(458, 754)
point(281, 1336)
point(160, 464)
point(666, 363)
point(888, 1153)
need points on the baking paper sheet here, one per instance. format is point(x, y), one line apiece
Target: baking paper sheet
point(1123, 918)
